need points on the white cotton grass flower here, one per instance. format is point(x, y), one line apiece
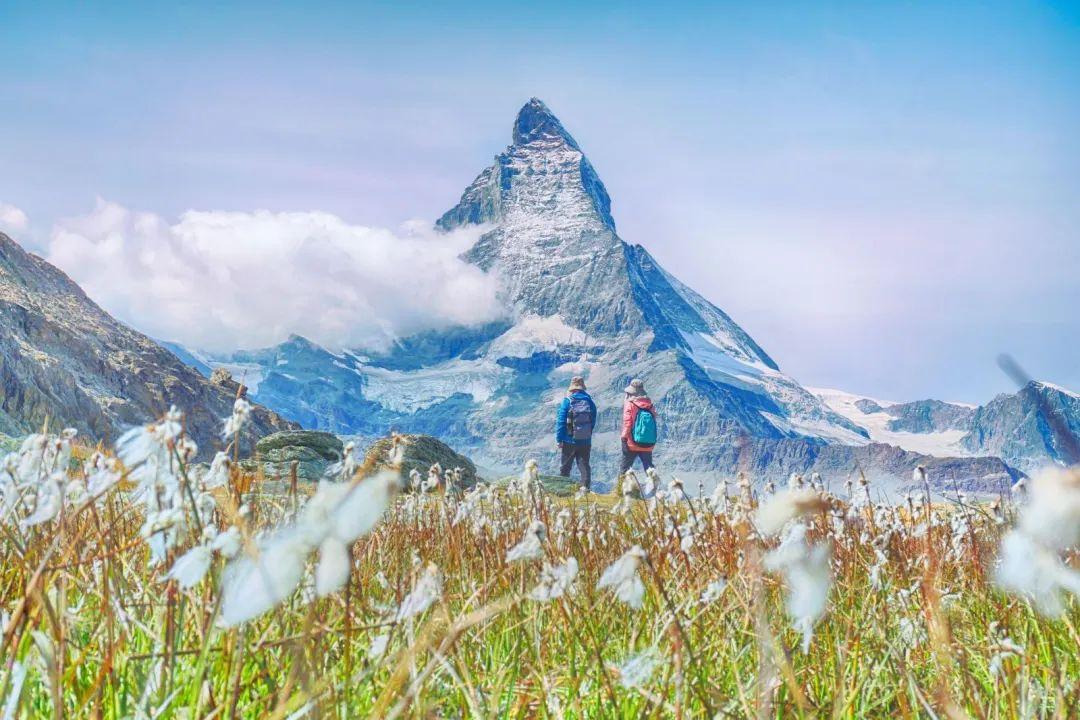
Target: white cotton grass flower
point(235, 422)
point(378, 645)
point(1028, 569)
point(531, 545)
point(1029, 562)
point(1052, 513)
point(332, 572)
point(219, 473)
point(555, 581)
point(910, 633)
point(345, 468)
point(808, 576)
point(528, 480)
point(713, 591)
point(47, 503)
point(786, 505)
point(623, 579)
point(1003, 647)
point(190, 568)
point(686, 538)
point(144, 450)
point(637, 670)
point(652, 482)
point(102, 473)
point(227, 543)
point(335, 517)
point(252, 586)
point(427, 590)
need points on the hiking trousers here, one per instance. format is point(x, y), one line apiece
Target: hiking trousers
point(577, 453)
point(629, 456)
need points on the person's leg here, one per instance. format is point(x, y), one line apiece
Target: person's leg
point(567, 459)
point(584, 464)
point(646, 460)
point(627, 459)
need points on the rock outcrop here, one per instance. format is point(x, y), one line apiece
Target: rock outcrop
point(420, 452)
point(310, 451)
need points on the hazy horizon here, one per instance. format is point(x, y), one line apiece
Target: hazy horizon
point(884, 198)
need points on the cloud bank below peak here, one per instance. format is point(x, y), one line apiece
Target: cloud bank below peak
point(221, 281)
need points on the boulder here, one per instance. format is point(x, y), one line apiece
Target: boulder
point(311, 450)
point(420, 453)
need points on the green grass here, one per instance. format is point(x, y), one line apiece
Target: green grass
point(102, 635)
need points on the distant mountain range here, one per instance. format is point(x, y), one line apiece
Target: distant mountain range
point(66, 361)
point(1012, 426)
point(582, 301)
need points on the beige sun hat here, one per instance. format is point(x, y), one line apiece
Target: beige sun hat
point(636, 388)
point(576, 383)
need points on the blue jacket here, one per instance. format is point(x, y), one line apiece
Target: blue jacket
point(562, 432)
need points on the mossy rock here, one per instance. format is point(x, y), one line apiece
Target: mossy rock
point(420, 453)
point(311, 450)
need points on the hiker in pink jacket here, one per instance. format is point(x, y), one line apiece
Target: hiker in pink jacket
point(638, 427)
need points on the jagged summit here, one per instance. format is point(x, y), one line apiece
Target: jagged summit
point(535, 120)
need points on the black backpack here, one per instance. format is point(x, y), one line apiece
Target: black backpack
point(580, 419)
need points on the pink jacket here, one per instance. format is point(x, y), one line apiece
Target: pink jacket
point(631, 408)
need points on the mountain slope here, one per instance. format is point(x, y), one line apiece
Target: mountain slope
point(64, 359)
point(1015, 427)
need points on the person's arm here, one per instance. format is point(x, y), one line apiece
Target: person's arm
point(627, 419)
point(560, 422)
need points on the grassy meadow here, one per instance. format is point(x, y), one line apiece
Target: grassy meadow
point(506, 602)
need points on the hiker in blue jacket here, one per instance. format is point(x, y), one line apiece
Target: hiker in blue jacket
point(574, 429)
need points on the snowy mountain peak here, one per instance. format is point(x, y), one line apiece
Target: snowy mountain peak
point(535, 121)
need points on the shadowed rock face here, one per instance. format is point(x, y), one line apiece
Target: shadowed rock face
point(64, 359)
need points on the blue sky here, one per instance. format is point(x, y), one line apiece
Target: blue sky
point(884, 195)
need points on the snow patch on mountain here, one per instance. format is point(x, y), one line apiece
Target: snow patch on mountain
point(945, 443)
point(532, 334)
point(413, 390)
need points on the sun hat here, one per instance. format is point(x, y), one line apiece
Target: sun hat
point(577, 383)
point(636, 388)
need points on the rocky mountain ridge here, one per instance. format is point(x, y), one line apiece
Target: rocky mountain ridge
point(66, 361)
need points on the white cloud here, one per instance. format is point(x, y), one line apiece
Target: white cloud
point(226, 280)
point(12, 219)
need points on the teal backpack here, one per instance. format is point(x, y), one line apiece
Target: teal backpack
point(644, 428)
